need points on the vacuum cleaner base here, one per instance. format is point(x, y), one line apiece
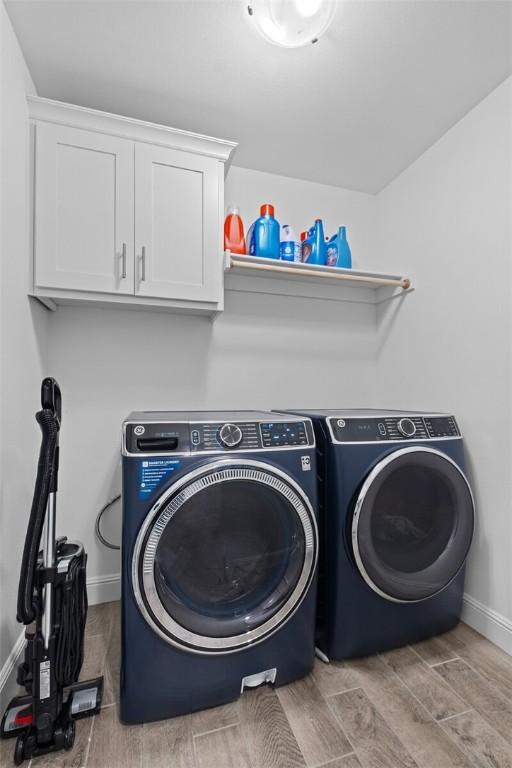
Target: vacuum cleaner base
point(78, 700)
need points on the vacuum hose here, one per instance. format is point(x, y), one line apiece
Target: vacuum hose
point(46, 482)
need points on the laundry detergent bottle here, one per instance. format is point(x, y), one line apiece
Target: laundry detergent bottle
point(332, 251)
point(315, 244)
point(344, 253)
point(265, 234)
point(306, 242)
point(234, 239)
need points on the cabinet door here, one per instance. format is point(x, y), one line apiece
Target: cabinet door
point(83, 210)
point(177, 225)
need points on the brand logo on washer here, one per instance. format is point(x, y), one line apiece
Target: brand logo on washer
point(306, 463)
point(139, 430)
point(341, 423)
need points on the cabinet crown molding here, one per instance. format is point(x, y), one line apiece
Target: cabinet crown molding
point(49, 110)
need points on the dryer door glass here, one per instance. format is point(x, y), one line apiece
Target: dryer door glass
point(228, 558)
point(413, 524)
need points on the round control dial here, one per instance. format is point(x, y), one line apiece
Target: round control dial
point(407, 427)
point(230, 435)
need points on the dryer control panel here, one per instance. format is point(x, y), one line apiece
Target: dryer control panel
point(216, 436)
point(358, 429)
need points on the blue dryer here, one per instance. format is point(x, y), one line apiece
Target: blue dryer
point(396, 523)
point(218, 560)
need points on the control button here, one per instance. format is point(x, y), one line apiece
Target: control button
point(230, 435)
point(195, 437)
point(341, 423)
point(382, 429)
point(407, 427)
point(139, 430)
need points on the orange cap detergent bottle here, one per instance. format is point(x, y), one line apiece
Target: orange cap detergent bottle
point(264, 234)
point(234, 239)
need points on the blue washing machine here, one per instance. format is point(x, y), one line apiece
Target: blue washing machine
point(219, 558)
point(396, 523)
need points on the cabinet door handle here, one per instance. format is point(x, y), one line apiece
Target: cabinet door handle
point(123, 259)
point(143, 264)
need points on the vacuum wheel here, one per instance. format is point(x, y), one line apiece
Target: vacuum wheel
point(19, 750)
point(69, 735)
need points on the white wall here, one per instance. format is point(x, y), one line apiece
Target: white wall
point(448, 220)
point(22, 332)
point(299, 203)
point(262, 352)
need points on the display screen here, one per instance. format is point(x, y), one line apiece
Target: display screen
point(441, 426)
point(283, 433)
point(358, 430)
point(364, 426)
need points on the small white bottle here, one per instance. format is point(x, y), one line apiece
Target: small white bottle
point(289, 248)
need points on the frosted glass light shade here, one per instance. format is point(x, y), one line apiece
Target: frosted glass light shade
point(291, 23)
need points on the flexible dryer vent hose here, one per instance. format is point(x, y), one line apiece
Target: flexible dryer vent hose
point(46, 482)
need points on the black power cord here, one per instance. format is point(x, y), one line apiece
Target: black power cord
point(98, 521)
point(71, 594)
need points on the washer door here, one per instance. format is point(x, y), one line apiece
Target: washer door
point(225, 557)
point(413, 524)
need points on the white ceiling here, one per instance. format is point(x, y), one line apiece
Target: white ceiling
point(388, 79)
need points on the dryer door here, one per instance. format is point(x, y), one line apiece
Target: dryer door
point(225, 556)
point(413, 524)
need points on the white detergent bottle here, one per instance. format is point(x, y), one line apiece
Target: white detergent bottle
point(287, 244)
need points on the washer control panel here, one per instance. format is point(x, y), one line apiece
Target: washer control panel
point(356, 429)
point(227, 436)
point(216, 437)
point(278, 434)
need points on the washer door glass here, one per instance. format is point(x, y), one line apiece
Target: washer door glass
point(413, 524)
point(228, 558)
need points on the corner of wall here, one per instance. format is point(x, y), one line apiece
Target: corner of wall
point(23, 331)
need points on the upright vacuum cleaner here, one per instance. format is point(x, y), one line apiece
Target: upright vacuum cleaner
point(52, 603)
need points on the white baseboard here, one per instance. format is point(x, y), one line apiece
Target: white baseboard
point(8, 685)
point(100, 589)
point(488, 622)
point(104, 589)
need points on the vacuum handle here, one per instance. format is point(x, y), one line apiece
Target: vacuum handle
point(46, 483)
point(51, 401)
point(51, 398)
point(48, 418)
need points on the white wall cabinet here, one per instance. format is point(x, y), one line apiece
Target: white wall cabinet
point(126, 212)
point(176, 225)
point(84, 210)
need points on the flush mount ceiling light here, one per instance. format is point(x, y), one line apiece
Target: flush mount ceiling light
point(291, 23)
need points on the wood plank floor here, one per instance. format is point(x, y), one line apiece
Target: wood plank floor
point(443, 703)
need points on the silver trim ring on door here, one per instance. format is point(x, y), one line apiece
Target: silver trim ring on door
point(378, 468)
point(209, 474)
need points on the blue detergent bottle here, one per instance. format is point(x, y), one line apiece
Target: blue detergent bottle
point(344, 253)
point(264, 234)
point(332, 251)
point(315, 251)
point(338, 250)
